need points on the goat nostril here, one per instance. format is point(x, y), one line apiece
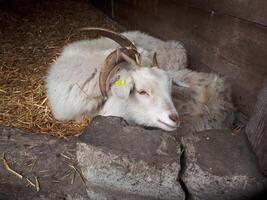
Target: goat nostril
point(174, 118)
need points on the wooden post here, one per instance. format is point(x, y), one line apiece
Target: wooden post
point(257, 128)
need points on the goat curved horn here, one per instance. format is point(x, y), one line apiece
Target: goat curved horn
point(155, 61)
point(117, 37)
point(113, 59)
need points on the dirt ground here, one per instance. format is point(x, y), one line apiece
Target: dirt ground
point(32, 34)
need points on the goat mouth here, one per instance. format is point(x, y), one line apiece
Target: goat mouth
point(168, 125)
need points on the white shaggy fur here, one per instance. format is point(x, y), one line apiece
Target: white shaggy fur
point(170, 53)
point(203, 100)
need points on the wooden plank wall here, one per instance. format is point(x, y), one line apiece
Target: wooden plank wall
point(248, 10)
point(228, 37)
point(257, 128)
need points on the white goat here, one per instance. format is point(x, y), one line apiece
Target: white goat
point(203, 100)
point(82, 82)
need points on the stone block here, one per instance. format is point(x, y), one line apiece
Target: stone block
point(218, 164)
point(120, 161)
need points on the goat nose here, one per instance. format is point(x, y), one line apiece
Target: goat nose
point(174, 118)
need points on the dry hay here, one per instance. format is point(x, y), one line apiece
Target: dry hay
point(30, 39)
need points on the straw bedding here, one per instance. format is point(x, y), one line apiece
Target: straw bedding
point(30, 39)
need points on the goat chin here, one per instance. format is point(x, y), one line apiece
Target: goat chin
point(114, 107)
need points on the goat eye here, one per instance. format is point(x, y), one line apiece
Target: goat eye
point(142, 92)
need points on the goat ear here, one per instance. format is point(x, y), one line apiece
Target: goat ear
point(122, 88)
point(155, 61)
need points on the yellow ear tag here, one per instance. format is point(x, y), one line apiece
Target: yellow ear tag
point(120, 82)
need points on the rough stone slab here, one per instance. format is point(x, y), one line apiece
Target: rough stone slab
point(220, 165)
point(53, 172)
point(129, 162)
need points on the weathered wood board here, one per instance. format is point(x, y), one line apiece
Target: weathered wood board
point(257, 128)
point(231, 42)
point(250, 10)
